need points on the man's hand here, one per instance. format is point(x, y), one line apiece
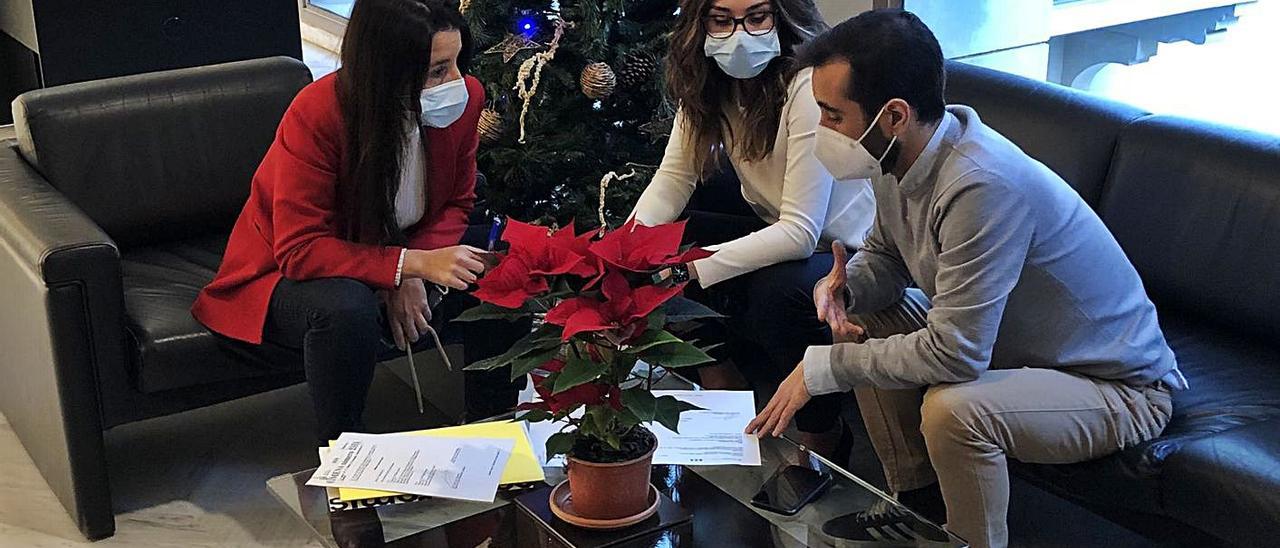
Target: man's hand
point(828, 297)
point(408, 312)
point(790, 397)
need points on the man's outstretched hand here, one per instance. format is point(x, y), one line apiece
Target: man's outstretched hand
point(828, 297)
point(790, 397)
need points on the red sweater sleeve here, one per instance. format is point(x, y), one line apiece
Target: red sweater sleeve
point(301, 167)
point(444, 228)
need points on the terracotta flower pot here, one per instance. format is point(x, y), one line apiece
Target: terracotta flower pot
point(606, 491)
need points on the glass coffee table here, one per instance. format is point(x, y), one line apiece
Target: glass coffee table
point(717, 497)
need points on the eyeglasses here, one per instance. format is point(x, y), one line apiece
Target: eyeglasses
point(722, 26)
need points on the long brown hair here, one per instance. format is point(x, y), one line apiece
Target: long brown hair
point(703, 91)
point(386, 52)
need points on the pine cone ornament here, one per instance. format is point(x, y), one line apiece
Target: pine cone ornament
point(490, 125)
point(598, 80)
point(636, 69)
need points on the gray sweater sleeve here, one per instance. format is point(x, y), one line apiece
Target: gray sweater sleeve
point(984, 236)
point(877, 275)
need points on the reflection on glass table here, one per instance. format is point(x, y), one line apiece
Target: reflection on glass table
point(718, 497)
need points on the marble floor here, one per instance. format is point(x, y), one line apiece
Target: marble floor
point(197, 479)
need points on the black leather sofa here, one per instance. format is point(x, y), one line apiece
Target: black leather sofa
point(1196, 207)
point(115, 203)
point(116, 200)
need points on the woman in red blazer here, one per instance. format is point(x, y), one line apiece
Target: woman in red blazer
point(358, 205)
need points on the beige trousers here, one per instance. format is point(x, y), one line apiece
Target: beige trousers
point(961, 434)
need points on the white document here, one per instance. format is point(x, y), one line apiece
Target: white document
point(712, 435)
point(455, 468)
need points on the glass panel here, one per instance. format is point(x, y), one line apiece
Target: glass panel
point(341, 8)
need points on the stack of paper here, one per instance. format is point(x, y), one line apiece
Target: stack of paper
point(710, 436)
point(463, 462)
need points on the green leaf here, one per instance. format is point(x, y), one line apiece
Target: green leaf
point(707, 349)
point(674, 355)
point(490, 311)
point(640, 402)
point(560, 290)
point(628, 419)
point(543, 338)
point(560, 443)
point(578, 371)
point(525, 364)
point(600, 419)
point(490, 363)
point(652, 338)
point(667, 411)
point(536, 415)
point(658, 319)
point(683, 309)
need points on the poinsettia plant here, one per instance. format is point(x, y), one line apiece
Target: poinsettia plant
point(600, 309)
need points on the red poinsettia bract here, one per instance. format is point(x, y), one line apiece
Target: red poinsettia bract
point(624, 309)
point(536, 254)
point(638, 248)
point(584, 394)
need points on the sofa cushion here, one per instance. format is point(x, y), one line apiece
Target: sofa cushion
point(169, 348)
point(1227, 484)
point(163, 156)
point(1196, 207)
point(1234, 382)
point(1072, 132)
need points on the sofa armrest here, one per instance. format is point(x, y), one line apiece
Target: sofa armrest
point(44, 230)
point(62, 330)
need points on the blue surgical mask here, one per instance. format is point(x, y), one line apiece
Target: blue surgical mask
point(443, 104)
point(742, 55)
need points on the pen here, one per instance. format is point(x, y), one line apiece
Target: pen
point(493, 233)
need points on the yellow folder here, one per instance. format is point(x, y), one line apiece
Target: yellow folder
point(522, 467)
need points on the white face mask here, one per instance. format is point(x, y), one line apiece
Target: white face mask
point(443, 104)
point(742, 55)
point(846, 158)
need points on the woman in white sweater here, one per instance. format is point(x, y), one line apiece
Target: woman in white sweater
point(731, 71)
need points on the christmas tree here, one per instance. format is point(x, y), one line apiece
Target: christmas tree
point(574, 92)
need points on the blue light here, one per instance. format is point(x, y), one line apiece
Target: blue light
point(527, 26)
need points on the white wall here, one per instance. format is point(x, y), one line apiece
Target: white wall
point(838, 10)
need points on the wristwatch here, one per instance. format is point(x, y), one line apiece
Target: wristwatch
point(676, 274)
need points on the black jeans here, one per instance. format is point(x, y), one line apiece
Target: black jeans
point(338, 326)
point(771, 317)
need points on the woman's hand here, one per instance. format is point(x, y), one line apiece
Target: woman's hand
point(408, 312)
point(454, 267)
point(828, 298)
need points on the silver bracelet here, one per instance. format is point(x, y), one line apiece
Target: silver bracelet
point(400, 265)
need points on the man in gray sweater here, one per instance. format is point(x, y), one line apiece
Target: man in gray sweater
point(1027, 333)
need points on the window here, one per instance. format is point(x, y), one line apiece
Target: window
point(1206, 59)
